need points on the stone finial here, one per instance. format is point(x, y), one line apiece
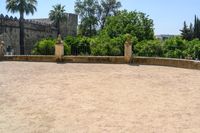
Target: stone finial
point(59, 49)
point(128, 49)
point(59, 40)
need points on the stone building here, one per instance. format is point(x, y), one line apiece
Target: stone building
point(35, 29)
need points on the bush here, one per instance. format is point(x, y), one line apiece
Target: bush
point(79, 45)
point(151, 48)
point(47, 47)
point(193, 49)
point(175, 47)
point(104, 45)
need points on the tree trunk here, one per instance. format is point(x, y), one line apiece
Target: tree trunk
point(21, 25)
point(58, 26)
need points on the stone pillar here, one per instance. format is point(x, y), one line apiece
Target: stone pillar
point(128, 50)
point(2, 49)
point(59, 49)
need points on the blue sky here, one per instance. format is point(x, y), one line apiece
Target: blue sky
point(168, 15)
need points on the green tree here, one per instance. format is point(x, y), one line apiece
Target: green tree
point(150, 48)
point(23, 7)
point(57, 15)
point(135, 23)
point(107, 8)
point(175, 47)
point(87, 10)
point(187, 33)
point(196, 27)
point(193, 32)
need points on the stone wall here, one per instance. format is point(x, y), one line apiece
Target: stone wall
point(34, 31)
point(189, 64)
point(180, 63)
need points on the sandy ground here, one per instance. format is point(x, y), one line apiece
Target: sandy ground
point(98, 98)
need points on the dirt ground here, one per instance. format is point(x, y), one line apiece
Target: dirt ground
point(98, 98)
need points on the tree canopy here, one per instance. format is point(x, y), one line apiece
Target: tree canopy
point(23, 7)
point(93, 14)
point(135, 23)
point(57, 15)
point(191, 32)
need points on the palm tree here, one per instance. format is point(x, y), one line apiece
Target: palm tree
point(57, 15)
point(23, 7)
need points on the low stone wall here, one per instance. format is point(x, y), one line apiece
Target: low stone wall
point(35, 58)
point(67, 59)
point(180, 63)
point(94, 59)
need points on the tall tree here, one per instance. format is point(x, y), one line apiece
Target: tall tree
point(57, 15)
point(23, 7)
point(87, 10)
point(135, 23)
point(187, 33)
point(193, 31)
point(196, 27)
point(107, 8)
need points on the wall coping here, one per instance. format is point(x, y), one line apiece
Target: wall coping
point(171, 62)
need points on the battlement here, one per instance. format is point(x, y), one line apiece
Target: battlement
point(35, 30)
point(7, 18)
point(13, 22)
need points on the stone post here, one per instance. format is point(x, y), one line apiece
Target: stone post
point(2, 49)
point(59, 49)
point(128, 50)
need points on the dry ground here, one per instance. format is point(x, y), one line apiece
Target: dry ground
point(98, 98)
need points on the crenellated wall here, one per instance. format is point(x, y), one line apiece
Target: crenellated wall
point(34, 30)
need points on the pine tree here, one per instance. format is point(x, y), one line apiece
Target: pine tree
point(186, 32)
point(193, 31)
point(196, 27)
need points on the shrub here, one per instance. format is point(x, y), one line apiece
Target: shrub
point(104, 45)
point(193, 49)
point(79, 45)
point(151, 48)
point(175, 47)
point(47, 47)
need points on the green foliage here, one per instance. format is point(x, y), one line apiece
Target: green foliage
point(187, 33)
point(93, 14)
point(104, 45)
point(174, 47)
point(23, 7)
point(134, 23)
point(79, 45)
point(47, 47)
point(57, 15)
point(171, 48)
point(107, 8)
point(193, 49)
point(151, 48)
point(44, 47)
point(87, 10)
point(192, 32)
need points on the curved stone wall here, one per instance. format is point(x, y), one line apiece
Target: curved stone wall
point(179, 63)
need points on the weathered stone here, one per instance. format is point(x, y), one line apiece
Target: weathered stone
point(59, 49)
point(2, 48)
point(128, 50)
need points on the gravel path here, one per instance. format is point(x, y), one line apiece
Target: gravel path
point(98, 98)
